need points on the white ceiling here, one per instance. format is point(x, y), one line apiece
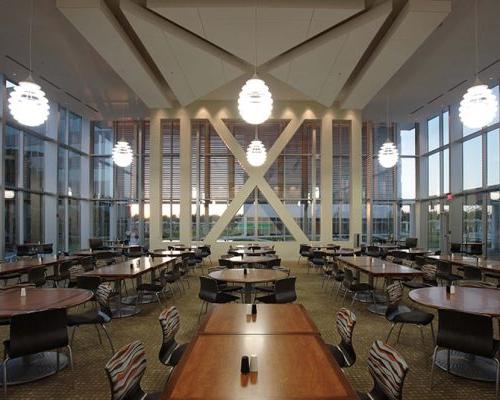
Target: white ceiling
point(103, 66)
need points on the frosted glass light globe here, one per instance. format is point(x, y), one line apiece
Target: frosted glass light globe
point(478, 107)
point(388, 155)
point(28, 104)
point(122, 154)
point(256, 153)
point(255, 102)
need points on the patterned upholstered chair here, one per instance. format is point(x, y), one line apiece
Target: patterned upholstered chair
point(398, 314)
point(388, 370)
point(95, 317)
point(125, 371)
point(344, 352)
point(74, 272)
point(428, 279)
point(171, 351)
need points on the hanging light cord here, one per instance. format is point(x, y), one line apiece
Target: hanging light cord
point(30, 32)
point(476, 40)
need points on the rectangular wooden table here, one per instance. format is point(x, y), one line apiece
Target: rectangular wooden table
point(486, 265)
point(25, 264)
point(232, 319)
point(133, 268)
point(377, 268)
point(293, 366)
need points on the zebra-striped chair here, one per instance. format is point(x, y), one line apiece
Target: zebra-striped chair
point(171, 351)
point(388, 370)
point(400, 314)
point(125, 371)
point(344, 352)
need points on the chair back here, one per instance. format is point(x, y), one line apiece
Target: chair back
point(394, 293)
point(346, 321)
point(208, 289)
point(75, 271)
point(411, 242)
point(475, 249)
point(95, 244)
point(102, 296)
point(430, 271)
point(444, 267)
point(468, 333)
point(88, 282)
point(125, 371)
point(305, 250)
point(170, 323)
point(88, 263)
point(318, 258)
point(284, 291)
point(348, 278)
point(373, 251)
point(420, 260)
point(275, 262)
point(224, 262)
point(47, 248)
point(388, 370)
point(36, 332)
point(456, 247)
point(472, 273)
point(37, 276)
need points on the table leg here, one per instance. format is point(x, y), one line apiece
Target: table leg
point(146, 298)
point(34, 367)
point(467, 365)
point(248, 293)
point(119, 311)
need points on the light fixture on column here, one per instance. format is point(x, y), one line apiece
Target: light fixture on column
point(122, 154)
point(256, 152)
point(27, 102)
point(388, 154)
point(255, 102)
point(479, 105)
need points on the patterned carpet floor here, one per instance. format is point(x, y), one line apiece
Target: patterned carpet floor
point(88, 380)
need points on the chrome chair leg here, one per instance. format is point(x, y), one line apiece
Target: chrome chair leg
point(5, 361)
point(433, 364)
point(390, 331)
point(70, 356)
point(109, 338)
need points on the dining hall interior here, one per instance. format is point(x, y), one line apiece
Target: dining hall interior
point(250, 199)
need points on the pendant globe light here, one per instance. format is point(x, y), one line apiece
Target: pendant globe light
point(256, 152)
point(388, 154)
point(479, 105)
point(27, 102)
point(255, 102)
point(122, 153)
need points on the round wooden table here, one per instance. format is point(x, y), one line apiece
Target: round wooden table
point(253, 276)
point(239, 260)
point(248, 252)
point(470, 300)
point(40, 365)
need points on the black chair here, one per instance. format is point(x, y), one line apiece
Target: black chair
point(224, 286)
point(95, 317)
point(317, 260)
point(474, 249)
point(472, 273)
point(373, 251)
point(344, 352)
point(456, 248)
point(445, 272)
point(134, 251)
point(411, 243)
point(337, 274)
point(47, 248)
point(350, 285)
point(304, 251)
point(97, 244)
point(397, 314)
point(210, 293)
point(225, 262)
point(36, 332)
point(61, 273)
point(171, 351)
point(12, 276)
point(284, 292)
point(125, 371)
point(37, 276)
point(206, 253)
point(466, 333)
point(388, 370)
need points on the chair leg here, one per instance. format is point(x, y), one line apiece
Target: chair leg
point(98, 334)
point(390, 331)
point(433, 364)
point(109, 338)
point(73, 334)
point(498, 377)
point(5, 361)
point(70, 355)
point(420, 327)
point(448, 361)
point(433, 337)
point(399, 333)
point(57, 360)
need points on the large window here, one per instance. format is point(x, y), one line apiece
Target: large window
point(493, 214)
point(433, 225)
point(473, 163)
point(171, 193)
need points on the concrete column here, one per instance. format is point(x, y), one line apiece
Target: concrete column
point(326, 179)
point(155, 221)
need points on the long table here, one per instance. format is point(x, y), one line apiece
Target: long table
point(485, 264)
point(131, 269)
point(294, 362)
point(26, 264)
point(377, 268)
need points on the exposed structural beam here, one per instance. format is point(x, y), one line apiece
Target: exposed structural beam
point(261, 3)
point(320, 67)
point(94, 20)
point(191, 66)
point(414, 24)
